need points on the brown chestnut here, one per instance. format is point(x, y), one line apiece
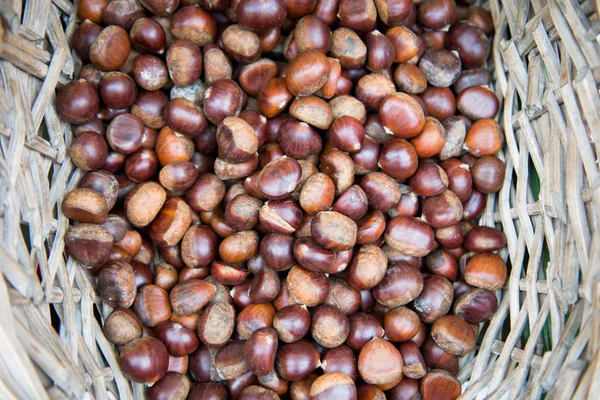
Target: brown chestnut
point(435, 299)
point(379, 362)
point(144, 360)
point(486, 271)
point(295, 361)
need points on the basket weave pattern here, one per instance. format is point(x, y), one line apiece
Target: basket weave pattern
point(546, 333)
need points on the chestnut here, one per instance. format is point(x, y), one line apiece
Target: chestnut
point(362, 328)
point(253, 316)
point(241, 44)
point(401, 324)
point(472, 77)
point(333, 385)
point(122, 326)
point(295, 361)
point(404, 42)
point(230, 362)
point(298, 139)
point(370, 392)
point(236, 386)
point(410, 236)
point(443, 210)
point(379, 362)
point(366, 159)
point(307, 287)
point(77, 102)
point(429, 180)
point(260, 15)
point(111, 48)
point(190, 296)
point(312, 110)
point(407, 389)
point(398, 159)
point(184, 62)
point(333, 231)
point(367, 268)
point(435, 357)
point(144, 360)
point(435, 299)
point(239, 247)
point(470, 42)
point(441, 68)
point(307, 73)
point(348, 106)
point(353, 203)
point(185, 117)
point(260, 350)
point(393, 12)
point(171, 223)
point(380, 54)
point(477, 102)
point(222, 99)
point(85, 205)
point(348, 48)
point(152, 305)
point(436, 14)
point(236, 140)
point(208, 390)
point(194, 24)
point(279, 178)
point(254, 77)
point(144, 203)
point(255, 392)
point(206, 193)
point(149, 107)
point(414, 364)
point(476, 305)
point(347, 134)
point(216, 324)
point(292, 323)
point(89, 244)
point(148, 36)
point(88, 151)
point(488, 174)
point(474, 206)
point(312, 33)
point(401, 115)
point(441, 262)
point(124, 133)
point(274, 97)
point(280, 216)
point(410, 79)
point(165, 276)
point(329, 326)
point(178, 340)
point(265, 286)
point(173, 385)
point(483, 239)
point(439, 384)
point(83, 37)
point(371, 89)
point(486, 271)
point(216, 64)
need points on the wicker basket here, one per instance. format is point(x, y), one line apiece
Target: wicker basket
point(545, 336)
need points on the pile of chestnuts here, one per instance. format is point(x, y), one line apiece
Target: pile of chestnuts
point(281, 196)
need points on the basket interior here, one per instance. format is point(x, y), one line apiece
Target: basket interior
point(545, 336)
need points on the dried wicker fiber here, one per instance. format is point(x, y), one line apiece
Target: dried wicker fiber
point(545, 336)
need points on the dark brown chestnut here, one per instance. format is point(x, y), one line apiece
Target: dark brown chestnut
point(292, 323)
point(77, 102)
point(295, 361)
point(435, 299)
point(144, 360)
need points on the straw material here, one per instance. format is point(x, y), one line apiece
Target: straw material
point(546, 333)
